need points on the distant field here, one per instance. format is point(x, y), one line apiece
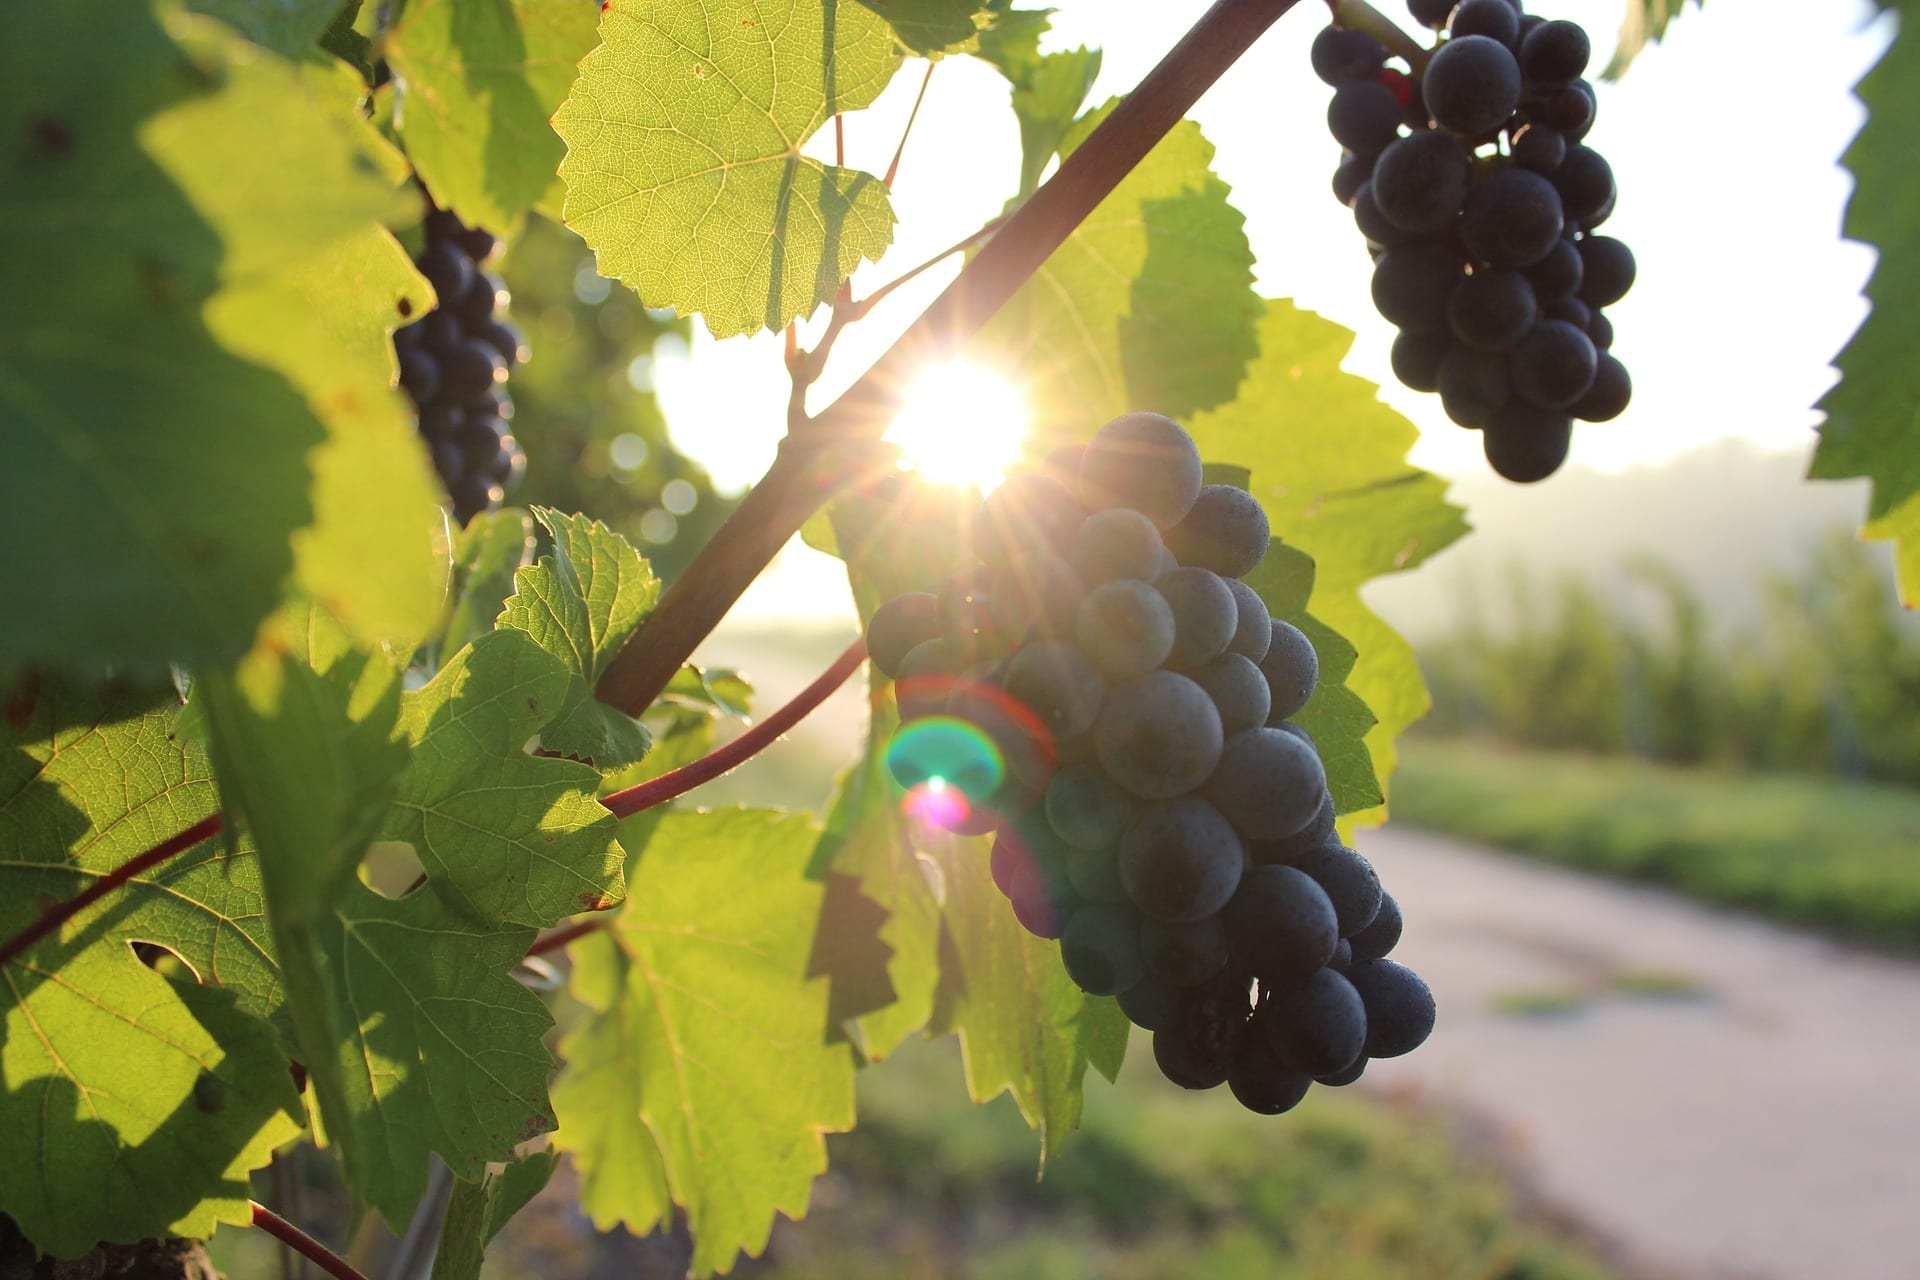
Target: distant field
point(1836, 856)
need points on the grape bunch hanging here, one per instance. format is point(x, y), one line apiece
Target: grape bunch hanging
point(1479, 199)
point(1127, 701)
point(454, 363)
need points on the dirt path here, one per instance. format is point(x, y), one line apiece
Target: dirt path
point(1765, 1124)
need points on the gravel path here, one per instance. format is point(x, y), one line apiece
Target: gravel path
point(1766, 1124)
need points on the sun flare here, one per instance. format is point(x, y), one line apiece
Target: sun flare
point(961, 424)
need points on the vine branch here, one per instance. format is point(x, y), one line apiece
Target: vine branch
point(61, 912)
point(793, 487)
point(303, 1244)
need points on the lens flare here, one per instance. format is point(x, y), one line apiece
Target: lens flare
point(950, 752)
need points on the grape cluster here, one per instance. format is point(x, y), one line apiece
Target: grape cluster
point(453, 364)
point(1479, 198)
point(1153, 807)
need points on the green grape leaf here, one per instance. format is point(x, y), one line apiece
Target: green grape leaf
point(1024, 1027)
point(1048, 89)
point(1011, 41)
point(479, 79)
point(683, 167)
point(706, 1072)
point(375, 555)
point(1148, 305)
point(506, 838)
point(581, 603)
point(90, 780)
point(1643, 23)
point(288, 27)
point(932, 27)
point(486, 556)
point(440, 1050)
point(1346, 497)
point(162, 534)
point(477, 1210)
point(1874, 411)
point(130, 1106)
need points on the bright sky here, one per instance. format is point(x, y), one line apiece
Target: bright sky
point(1724, 141)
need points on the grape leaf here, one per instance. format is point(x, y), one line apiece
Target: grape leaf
point(707, 1070)
point(440, 1050)
point(581, 603)
point(477, 1210)
point(1873, 414)
point(287, 27)
point(1148, 305)
point(90, 779)
point(163, 534)
point(1048, 89)
point(1643, 23)
point(1024, 1026)
point(683, 167)
point(1345, 496)
point(479, 80)
point(506, 838)
point(132, 1106)
point(932, 27)
point(486, 556)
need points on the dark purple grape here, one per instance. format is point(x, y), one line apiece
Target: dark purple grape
point(1373, 225)
point(1525, 443)
point(1344, 56)
point(1495, 19)
point(1558, 274)
point(420, 374)
point(1411, 285)
point(1553, 365)
point(1555, 53)
point(1347, 179)
point(1472, 85)
point(1491, 309)
point(1364, 118)
point(1420, 183)
point(504, 338)
point(1585, 183)
point(1609, 270)
point(470, 370)
point(1539, 147)
point(1416, 358)
point(1607, 398)
point(1512, 219)
point(1570, 110)
point(1600, 329)
point(1474, 385)
point(1431, 13)
point(447, 269)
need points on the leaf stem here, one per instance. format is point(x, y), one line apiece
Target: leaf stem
point(654, 791)
point(303, 1244)
point(1358, 15)
point(893, 169)
point(868, 303)
point(792, 489)
point(61, 912)
point(568, 933)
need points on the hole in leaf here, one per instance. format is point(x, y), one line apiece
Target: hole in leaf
point(391, 869)
point(164, 961)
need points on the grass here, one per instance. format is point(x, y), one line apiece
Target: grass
point(1841, 857)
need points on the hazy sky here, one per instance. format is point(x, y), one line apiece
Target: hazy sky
point(1724, 141)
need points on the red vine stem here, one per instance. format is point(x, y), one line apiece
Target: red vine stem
point(624, 804)
point(806, 473)
point(303, 1244)
point(571, 933)
point(61, 912)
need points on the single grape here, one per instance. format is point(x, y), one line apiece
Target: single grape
point(1125, 628)
point(1340, 1079)
point(1342, 56)
point(1201, 1042)
point(506, 339)
point(448, 270)
point(1364, 118)
point(1095, 875)
point(1585, 183)
point(1027, 848)
point(1204, 615)
point(1607, 398)
point(1318, 1026)
point(1474, 385)
point(1185, 1062)
point(1351, 883)
point(1115, 543)
point(479, 245)
point(1381, 935)
point(1491, 309)
point(1539, 148)
point(897, 626)
point(1267, 783)
point(1557, 275)
point(1416, 358)
point(1431, 13)
point(1181, 861)
point(1342, 956)
point(1512, 219)
point(1420, 183)
point(470, 370)
point(1524, 443)
point(1555, 53)
point(1373, 225)
point(441, 330)
point(925, 676)
point(1261, 1082)
point(1280, 926)
point(1572, 310)
point(1350, 176)
point(1150, 1004)
point(1038, 596)
point(1609, 270)
point(485, 439)
point(1239, 691)
point(1600, 329)
point(1084, 807)
point(481, 299)
point(1472, 85)
point(1400, 1009)
point(448, 462)
point(1411, 284)
point(1254, 634)
point(1158, 735)
point(473, 494)
point(1184, 954)
point(1030, 515)
point(1292, 849)
point(1570, 110)
point(1553, 365)
point(1292, 669)
point(1495, 19)
point(1051, 679)
point(1100, 948)
point(420, 374)
point(1143, 461)
point(1226, 531)
point(967, 620)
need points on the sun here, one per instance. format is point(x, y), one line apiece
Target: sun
point(961, 424)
